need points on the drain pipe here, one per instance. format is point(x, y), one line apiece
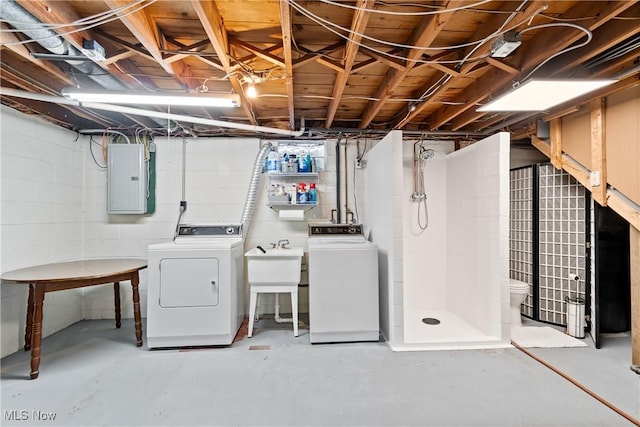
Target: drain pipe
point(609, 405)
point(252, 192)
point(277, 317)
point(338, 195)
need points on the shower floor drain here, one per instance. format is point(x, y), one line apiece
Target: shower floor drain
point(431, 321)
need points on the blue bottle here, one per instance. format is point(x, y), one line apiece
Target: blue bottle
point(313, 196)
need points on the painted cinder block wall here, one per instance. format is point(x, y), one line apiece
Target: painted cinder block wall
point(54, 209)
point(42, 210)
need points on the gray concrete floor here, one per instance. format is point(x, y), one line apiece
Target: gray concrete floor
point(92, 374)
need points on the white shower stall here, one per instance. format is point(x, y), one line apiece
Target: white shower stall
point(445, 287)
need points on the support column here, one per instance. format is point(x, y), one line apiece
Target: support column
point(598, 153)
point(556, 143)
point(634, 258)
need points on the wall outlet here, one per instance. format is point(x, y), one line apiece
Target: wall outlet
point(595, 178)
point(360, 164)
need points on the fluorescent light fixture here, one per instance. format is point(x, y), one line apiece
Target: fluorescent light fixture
point(151, 98)
point(542, 94)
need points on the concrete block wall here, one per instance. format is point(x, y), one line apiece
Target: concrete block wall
point(54, 209)
point(41, 215)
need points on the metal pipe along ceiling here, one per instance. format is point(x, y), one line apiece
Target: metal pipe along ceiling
point(21, 20)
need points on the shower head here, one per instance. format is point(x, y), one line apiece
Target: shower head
point(426, 154)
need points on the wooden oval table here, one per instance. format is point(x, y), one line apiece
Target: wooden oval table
point(70, 275)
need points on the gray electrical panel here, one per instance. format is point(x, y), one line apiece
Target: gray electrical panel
point(126, 179)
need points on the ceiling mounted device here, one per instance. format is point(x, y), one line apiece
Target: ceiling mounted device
point(93, 50)
point(505, 44)
point(151, 98)
point(543, 94)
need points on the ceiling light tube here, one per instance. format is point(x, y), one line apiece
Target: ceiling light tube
point(543, 94)
point(151, 98)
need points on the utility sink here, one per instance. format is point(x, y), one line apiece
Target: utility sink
point(275, 266)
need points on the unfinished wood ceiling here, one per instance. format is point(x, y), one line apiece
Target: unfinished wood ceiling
point(365, 65)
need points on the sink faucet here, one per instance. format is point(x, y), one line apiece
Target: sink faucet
point(283, 243)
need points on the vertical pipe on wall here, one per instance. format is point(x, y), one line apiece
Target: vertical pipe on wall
point(346, 182)
point(338, 195)
point(535, 243)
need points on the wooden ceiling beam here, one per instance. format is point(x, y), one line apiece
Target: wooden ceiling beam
point(8, 41)
point(502, 66)
point(423, 35)
point(387, 59)
point(358, 26)
point(119, 56)
point(285, 24)
point(141, 25)
point(260, 53)
point(311, 55)
point(482, 33)
point(61, 13)
point(533, 53)
point(334, 65)
point(607, 36)
point(212, 23)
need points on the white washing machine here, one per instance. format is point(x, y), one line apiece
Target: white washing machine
point(343, 284)
point(195, 293)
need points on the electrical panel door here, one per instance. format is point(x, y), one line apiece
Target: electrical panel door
point(126, 179)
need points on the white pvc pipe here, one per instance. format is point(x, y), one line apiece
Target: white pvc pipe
point(147, 113)
point(276, 316)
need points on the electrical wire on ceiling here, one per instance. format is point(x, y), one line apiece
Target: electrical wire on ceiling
point(479, 42)
point(588, 33)
point(324, 22)
point(88, 20)
point(615, 52)
point(389, 12)
point(349, 33)
point(115, 16)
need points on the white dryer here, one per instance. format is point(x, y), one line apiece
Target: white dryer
point(195, 292)
point(343, 284)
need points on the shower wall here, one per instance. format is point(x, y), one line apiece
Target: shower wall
point(478, 235)
point(455, 270)
point(384, 201)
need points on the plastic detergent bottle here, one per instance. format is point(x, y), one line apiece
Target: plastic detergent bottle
point(272, 162)
point(302, 193)
point(304, 165)
point(313, 196)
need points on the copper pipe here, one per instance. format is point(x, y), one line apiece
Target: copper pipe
point(600, 399)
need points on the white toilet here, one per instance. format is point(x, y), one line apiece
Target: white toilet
point(518, 291)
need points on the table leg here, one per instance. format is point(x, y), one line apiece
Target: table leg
point(116, 296)
point(38, 299)
point(28, 329)
point(135, 280)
